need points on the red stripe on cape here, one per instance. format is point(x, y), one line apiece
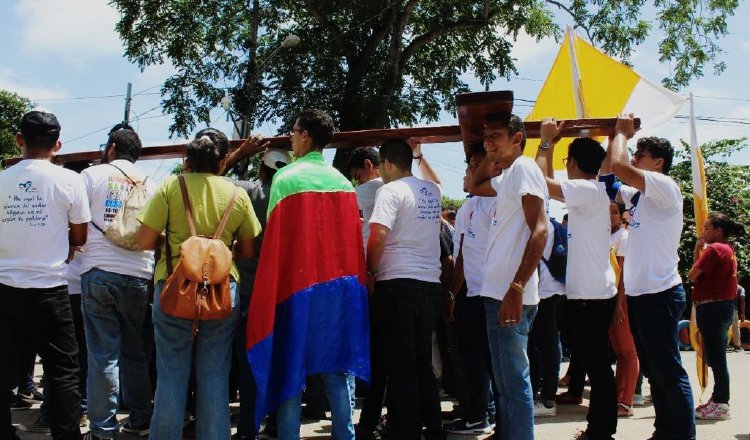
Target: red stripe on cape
point(301, 248)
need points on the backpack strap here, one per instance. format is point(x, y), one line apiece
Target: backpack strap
point(124, 174)
point(188, 207)
point(227, 213)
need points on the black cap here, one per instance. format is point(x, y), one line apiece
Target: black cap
point(40, 126)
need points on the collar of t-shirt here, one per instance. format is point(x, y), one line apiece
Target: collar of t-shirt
point(312, 157)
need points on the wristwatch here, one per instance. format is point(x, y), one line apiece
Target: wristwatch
point(544, 145)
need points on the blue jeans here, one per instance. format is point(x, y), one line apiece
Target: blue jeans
point(714, 320)
point(653, 322)
point(114, 309)
point(211, 350)
point(514, 402)
point(340, 392)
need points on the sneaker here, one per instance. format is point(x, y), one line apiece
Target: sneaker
point(39, 426)
point(32, 396)
point(542, 411)
point(19, 404)
point(568, 399)
point(462, 426)
point(84, 421)
point(624, 410)
point(638, 400)
point(700, 408)
point(140, 431)
point(714, 411)
point(451, 416)
point(269, 433)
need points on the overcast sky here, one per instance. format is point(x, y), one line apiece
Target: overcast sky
point(66, 57)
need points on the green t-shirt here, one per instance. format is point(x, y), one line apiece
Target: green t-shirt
point(209, 196)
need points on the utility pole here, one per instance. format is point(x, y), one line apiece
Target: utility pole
point(128, 99)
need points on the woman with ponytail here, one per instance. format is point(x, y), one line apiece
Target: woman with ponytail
point(714, 278)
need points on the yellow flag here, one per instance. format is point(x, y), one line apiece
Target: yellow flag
point(586, 83)
point(700, 208)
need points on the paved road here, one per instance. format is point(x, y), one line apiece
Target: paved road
point(571, 418)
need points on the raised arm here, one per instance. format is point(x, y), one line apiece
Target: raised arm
point(618, 154)
point(252, 146)
point(480, 184)
point(425, 169)
point(550, 134)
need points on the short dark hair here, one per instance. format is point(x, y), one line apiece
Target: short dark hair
point(620, 206)
point(659, 148)
point(128, 145)
point(397, 152)
point(120, 126)
point(204, 156)
point(729, 226)
point(318, 124)
point(40, 129)
point(217, 136)
point(359, 155)
point(588, 154)
point(513, 123)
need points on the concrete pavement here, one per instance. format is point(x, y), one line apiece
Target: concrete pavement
point(570, 418)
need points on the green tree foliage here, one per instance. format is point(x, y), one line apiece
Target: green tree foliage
point(454, 204)
point(727, 192)
point(381, 63)
point(12, 107)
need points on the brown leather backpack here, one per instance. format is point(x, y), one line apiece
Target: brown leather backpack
point(198, 288)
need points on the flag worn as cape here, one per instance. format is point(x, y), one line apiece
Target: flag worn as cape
point(700, 206)
point(586, 83)
point(308, 313)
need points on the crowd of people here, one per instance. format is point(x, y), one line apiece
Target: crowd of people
point(332, 290)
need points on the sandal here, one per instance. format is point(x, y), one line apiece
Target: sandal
point(624, 410)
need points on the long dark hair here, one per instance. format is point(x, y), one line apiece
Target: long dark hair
point(727, 225)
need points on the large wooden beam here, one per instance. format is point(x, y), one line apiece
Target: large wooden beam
point(362, 138)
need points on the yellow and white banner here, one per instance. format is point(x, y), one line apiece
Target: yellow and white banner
point(586, 83)
point(700, 209)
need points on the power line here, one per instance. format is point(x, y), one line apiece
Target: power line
point(80, 98)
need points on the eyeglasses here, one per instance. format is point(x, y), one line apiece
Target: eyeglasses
point(103, 148)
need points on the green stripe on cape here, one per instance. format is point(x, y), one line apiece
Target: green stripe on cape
point(307, 174)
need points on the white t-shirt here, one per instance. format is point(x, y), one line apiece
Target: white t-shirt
point(107, 189)
point(366, 193)
point(548, 285)
point(473, 221)
point(74, 275)
point(410, 208)
point(654, 236)
point(39, 199)
point(589, 274)
point(619, 241)
point(509, 232)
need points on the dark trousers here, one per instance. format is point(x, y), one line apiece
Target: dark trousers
point(454, 356)
point(545, 352)
point(83, 359)
point(407, 312)
point(42, 318)
point(246, 423)
point(590, 321)
point(372, 405)
point(653, 322)
point(473, 333)
point(714, 320)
